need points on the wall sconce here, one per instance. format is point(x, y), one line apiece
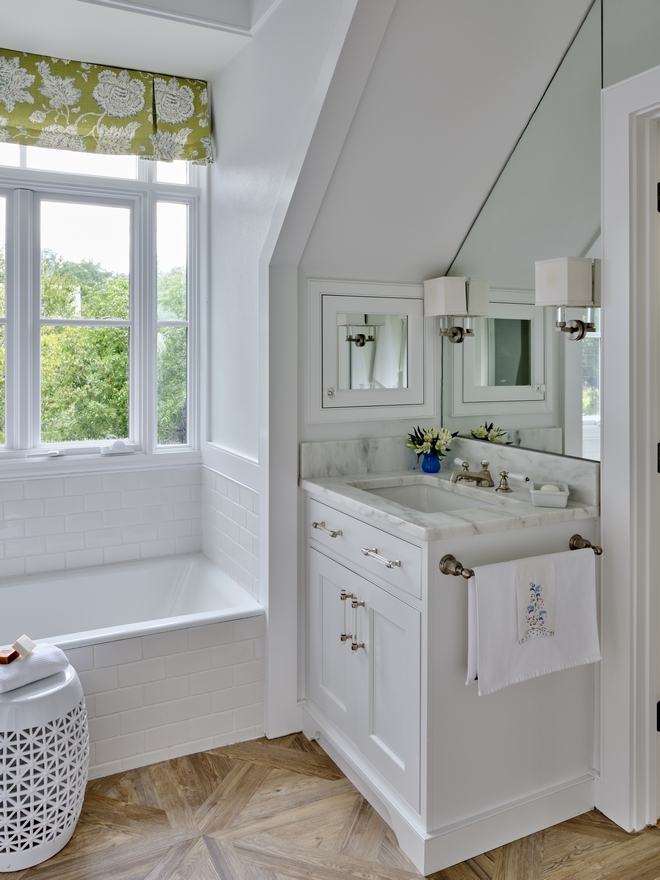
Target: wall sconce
point(569, 282)
point(359, 329)
point(451, 297)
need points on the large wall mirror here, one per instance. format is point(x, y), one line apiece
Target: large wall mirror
point(546, 203)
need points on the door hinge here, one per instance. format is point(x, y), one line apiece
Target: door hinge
point(658, 196)
point(657, 710)
point(659, 458)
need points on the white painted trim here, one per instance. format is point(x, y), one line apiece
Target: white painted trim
point(627, 792)
point(184, 17)
point(317, 365)
point(27, 188)
point(278, 424)
point(231, 464)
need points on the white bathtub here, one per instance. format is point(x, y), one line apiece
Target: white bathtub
point(169, 653)
point(108, 602)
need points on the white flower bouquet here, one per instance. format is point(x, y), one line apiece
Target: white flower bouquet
point(429, 440)
point(490, 433)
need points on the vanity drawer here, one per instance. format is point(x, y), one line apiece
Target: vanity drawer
point(348, 536)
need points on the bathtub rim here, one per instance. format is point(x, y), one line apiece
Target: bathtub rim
point(83, 638)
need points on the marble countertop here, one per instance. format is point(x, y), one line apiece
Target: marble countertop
point(492, 512)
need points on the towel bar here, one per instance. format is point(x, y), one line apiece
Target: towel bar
point(450, 565)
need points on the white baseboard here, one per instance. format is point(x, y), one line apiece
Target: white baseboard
point(440, 848)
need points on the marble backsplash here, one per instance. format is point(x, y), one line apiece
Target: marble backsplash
point(334, 458)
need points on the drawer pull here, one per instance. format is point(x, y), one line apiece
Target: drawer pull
point(322, 526)
point(345, 636)
point(355, 604)
point(388, 563)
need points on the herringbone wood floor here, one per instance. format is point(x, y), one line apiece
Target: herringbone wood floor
point(281, 809)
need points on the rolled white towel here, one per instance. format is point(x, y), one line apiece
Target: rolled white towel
point(45, 660)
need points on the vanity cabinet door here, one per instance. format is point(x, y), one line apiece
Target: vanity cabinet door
point(372, 693)
point(387, 673)
point(331, 685)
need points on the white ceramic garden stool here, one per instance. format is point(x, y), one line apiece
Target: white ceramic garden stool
point(44, 757)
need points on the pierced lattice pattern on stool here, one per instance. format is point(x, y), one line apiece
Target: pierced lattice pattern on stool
point(43, 772)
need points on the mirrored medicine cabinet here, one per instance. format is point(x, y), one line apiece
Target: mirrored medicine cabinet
point(377, 354)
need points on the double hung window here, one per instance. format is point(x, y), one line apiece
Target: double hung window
point(98, 271)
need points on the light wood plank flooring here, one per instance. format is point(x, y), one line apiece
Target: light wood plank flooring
point(271, 810)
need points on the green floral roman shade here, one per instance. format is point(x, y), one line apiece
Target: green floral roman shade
point(72, 105)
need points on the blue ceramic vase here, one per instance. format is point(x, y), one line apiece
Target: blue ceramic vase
point(430, 463)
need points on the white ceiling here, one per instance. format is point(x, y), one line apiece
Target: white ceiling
point(103, 35)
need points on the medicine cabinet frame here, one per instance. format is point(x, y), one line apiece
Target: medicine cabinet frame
point(469, 399)
point(326, 300)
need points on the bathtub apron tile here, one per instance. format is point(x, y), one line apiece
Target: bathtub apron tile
point(145, 718)
point(163, 644)
point(211, 634)
point(142, 671)
point(120, 700)
point(118, 653)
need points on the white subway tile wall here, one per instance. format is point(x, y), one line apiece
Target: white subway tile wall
point(68, 522)
point(156, 697)
point(230, 513)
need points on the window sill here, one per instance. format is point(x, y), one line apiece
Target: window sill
point(79, 465)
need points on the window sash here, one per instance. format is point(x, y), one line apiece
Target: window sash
point(24, 322)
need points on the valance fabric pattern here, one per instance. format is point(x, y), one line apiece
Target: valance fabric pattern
point(93, 108)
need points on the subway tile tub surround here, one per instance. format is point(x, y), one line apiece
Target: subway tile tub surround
point(170, 694)
point(230, 514)
point(58, 523)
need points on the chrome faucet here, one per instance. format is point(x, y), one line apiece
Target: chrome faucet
point(481, 478)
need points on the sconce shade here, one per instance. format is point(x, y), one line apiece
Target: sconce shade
point(568, 282)
point(455, 296)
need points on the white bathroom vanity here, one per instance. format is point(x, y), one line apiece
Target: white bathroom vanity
point(454, 774)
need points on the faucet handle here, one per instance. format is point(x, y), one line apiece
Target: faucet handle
point(504, 485)
point(464, 464)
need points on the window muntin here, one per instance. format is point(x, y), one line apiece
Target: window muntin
point(133, 340)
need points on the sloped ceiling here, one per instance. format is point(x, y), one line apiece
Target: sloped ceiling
point(104, 35)
point(547, 201)
point(451, 90)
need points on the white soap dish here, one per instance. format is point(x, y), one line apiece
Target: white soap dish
point(549, 499)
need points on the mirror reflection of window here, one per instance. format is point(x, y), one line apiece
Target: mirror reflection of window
point(503, 352)
point(591, 391)
point(373, 352)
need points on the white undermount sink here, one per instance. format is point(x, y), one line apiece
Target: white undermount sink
point(422, 496)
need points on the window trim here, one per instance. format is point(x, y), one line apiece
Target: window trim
point(23, 186)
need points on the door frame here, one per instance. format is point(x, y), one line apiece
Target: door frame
point(626, 787)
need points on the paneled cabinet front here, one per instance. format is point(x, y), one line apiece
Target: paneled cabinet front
point(365, 655)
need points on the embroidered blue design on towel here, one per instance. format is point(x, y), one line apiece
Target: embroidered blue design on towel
point(536, 615)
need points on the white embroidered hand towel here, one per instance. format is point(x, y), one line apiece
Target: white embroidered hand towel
point(45, 660)
point(495, 651)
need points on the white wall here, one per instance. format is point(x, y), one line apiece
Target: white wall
point(260, 101)
point(267, 104)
